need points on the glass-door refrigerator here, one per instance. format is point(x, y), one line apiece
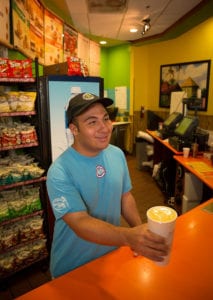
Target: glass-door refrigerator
point(55, 91)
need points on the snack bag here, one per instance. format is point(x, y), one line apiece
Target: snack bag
point(4, 105)
point(26, 101)
point(3, 67)
point(84, 69)
point(27, 68)
point(13, 100)
point(74, 66)
point(15, 68)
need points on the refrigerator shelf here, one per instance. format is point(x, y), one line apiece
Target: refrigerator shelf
point(20, 80)
point(21, 183)
point(17, 113)
point(35, 144)
point(36, 149)
point(43, 257)
point(21, 244)
point(24, 217)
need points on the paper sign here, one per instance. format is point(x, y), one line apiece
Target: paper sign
point(176, 104)
point(121, 97)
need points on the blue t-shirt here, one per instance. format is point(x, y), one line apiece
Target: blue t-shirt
point(80, 183)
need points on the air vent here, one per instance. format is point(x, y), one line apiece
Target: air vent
point(106, 6)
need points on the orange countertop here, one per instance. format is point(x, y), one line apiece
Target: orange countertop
point(119, 275)
point(200, 167)
point(163, 142)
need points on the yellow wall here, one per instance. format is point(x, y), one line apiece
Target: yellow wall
point(194, 45)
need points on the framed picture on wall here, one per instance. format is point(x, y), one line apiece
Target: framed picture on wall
point(190, 77)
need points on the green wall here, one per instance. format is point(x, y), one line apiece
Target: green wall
point(118, 58)
point(115, 69)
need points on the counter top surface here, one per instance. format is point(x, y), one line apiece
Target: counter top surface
point(164, 142)
point(201, 167)
point(120, 275)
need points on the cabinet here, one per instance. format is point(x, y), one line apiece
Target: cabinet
point(23, 225)
point(119, 134)
point(179, 188)
point(166, 165)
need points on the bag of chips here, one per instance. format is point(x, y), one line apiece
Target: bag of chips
point(74, 66)
point(27, 68)
point(3, 67)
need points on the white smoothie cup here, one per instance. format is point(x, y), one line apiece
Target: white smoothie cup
point(161, 220)
point(186, 152)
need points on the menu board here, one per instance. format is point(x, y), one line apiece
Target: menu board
point(83, 48)
point(94, 66)
point(4, 21)
point(53, 38)
point(89, 52)
point(28, 27)
point(70, 42)
point(37, 32)
point(21, 25)
point(36, 37)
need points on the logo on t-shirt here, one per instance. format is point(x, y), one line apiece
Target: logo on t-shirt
point(100, 171)
point(60, 204)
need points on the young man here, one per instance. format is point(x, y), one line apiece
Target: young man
point(89, 189)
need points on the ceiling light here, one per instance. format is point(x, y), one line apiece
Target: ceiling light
point(103, 42)
point(133, 30)
point(146, 25)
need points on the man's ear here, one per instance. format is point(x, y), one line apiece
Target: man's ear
point(73, 128)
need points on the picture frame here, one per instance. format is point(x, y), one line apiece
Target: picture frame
point(190, 77)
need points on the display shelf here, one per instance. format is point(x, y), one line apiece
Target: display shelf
point(41, 258)
point(15, 80)
point(24, 217)
point(40, 252)
point(19, 245)
point(17, 113)
point(34, 144)
point(21, 183)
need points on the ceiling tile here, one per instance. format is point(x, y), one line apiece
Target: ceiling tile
point(116, 25)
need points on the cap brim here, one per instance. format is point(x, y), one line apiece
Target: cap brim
point(104, 101)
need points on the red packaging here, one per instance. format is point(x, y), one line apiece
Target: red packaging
point(3, 67)
point(74, 66)
point(27, 68)
point(28, 136)
point(15, 68)
point(8, 139)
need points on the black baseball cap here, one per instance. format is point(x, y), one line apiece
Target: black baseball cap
point(79, 103)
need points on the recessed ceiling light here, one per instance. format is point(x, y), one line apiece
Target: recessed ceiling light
point(133, 30)
point(103, 42)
